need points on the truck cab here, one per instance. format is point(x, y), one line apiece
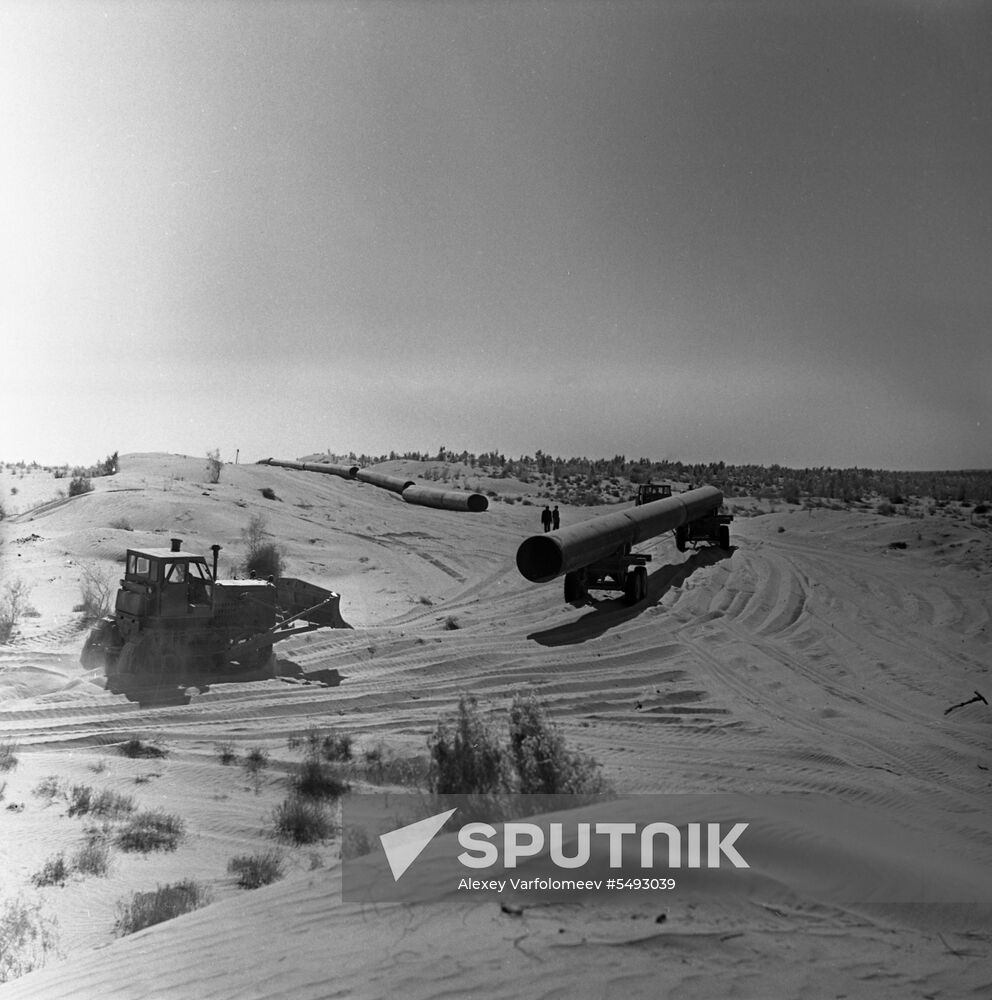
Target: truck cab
point(165, 583)
point(647, 492)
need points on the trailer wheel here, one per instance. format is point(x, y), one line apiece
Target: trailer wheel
point(641, 574)
point(723, 537)
point(681, 535)
point(575, 591)
point(633, 588)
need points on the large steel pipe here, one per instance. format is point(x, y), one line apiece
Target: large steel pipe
point(380, 479)
point(426, 496)
point(345, 471)
point(543, 557)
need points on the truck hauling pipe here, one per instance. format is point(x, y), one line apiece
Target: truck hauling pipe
point(596, 554)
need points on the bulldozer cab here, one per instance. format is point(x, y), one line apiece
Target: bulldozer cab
point(163, 583)
point(647, 492)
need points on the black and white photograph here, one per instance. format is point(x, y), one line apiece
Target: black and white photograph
point(495, 499)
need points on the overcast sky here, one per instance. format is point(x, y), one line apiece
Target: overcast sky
point(748, 231)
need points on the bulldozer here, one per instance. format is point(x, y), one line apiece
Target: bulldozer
point(176, 625)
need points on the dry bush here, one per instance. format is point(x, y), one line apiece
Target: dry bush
point(135, 748)
point(256, 870)
point(317, 780)
point(13, 605)
point(262, 558)
point(27, 938)
point(153, 830)
point(466, 757)
point(167, 901)
point(97, 586)
point(303, 821)
point(255, 762)
point(543, 764)
point(54, 872)
point(93, 858)
point(226, 752)
point(214, 465)
point(8, 756)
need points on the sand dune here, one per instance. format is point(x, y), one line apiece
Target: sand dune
point(813, 659)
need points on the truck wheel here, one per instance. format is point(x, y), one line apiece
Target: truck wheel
point(723, 536)
point(681, 534)
point(631, 588)
point(641, 575)
point(575, 592)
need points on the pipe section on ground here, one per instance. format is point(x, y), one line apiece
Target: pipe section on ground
point(541, 558)
point(345, 471)
point(425, 496)
point(383, 481)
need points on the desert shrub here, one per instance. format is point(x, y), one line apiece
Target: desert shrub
point(337, 747)
point(256, 870)
point(134, 748)
point(262, 558)
point(302, 820)
point(13, 605)
point(153, 830)
point(451, 623)
point(8, 756)
point(265, 561)
point(316, 780)
point(269, 493)
point(27, 938)
point(121, 524)
point(97, 587)
point(543, 764)
point(384, 768)
point(226, 752)
point(79, 485)
point(93, 858)
point(214, 465)
point(80, 799)
point(255, 762)
point(167, 901)
point(466, 757)
point(356, 842)
point(111, 805)
point(54, 872)
point(886, 509)
point(49, 788)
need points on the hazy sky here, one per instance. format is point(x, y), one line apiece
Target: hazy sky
point(749, 231)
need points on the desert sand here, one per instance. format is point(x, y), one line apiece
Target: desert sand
point(812, 658)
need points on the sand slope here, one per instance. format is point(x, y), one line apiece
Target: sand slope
point(814, 659)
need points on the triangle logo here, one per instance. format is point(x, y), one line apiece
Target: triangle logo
point(405, 845)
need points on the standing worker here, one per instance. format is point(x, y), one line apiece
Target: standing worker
point(555, 519)
point(546, 518)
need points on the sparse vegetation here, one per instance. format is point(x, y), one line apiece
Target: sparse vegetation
point(317, 780)
point(468, 758)
point(79, 485)
point(164, 903)
point(302, 820)
point(214, 466)
point(97, 587)
point(451, 623)
point(135, 748)
point(255, 762)
point(153, 830)
point(8, 756)
point(262, 558)
point(27, 938)
point(49, 788)
point(13, 606)
point(256, 870)
point(93, 858)
point(226, 752)
point(53, 872)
